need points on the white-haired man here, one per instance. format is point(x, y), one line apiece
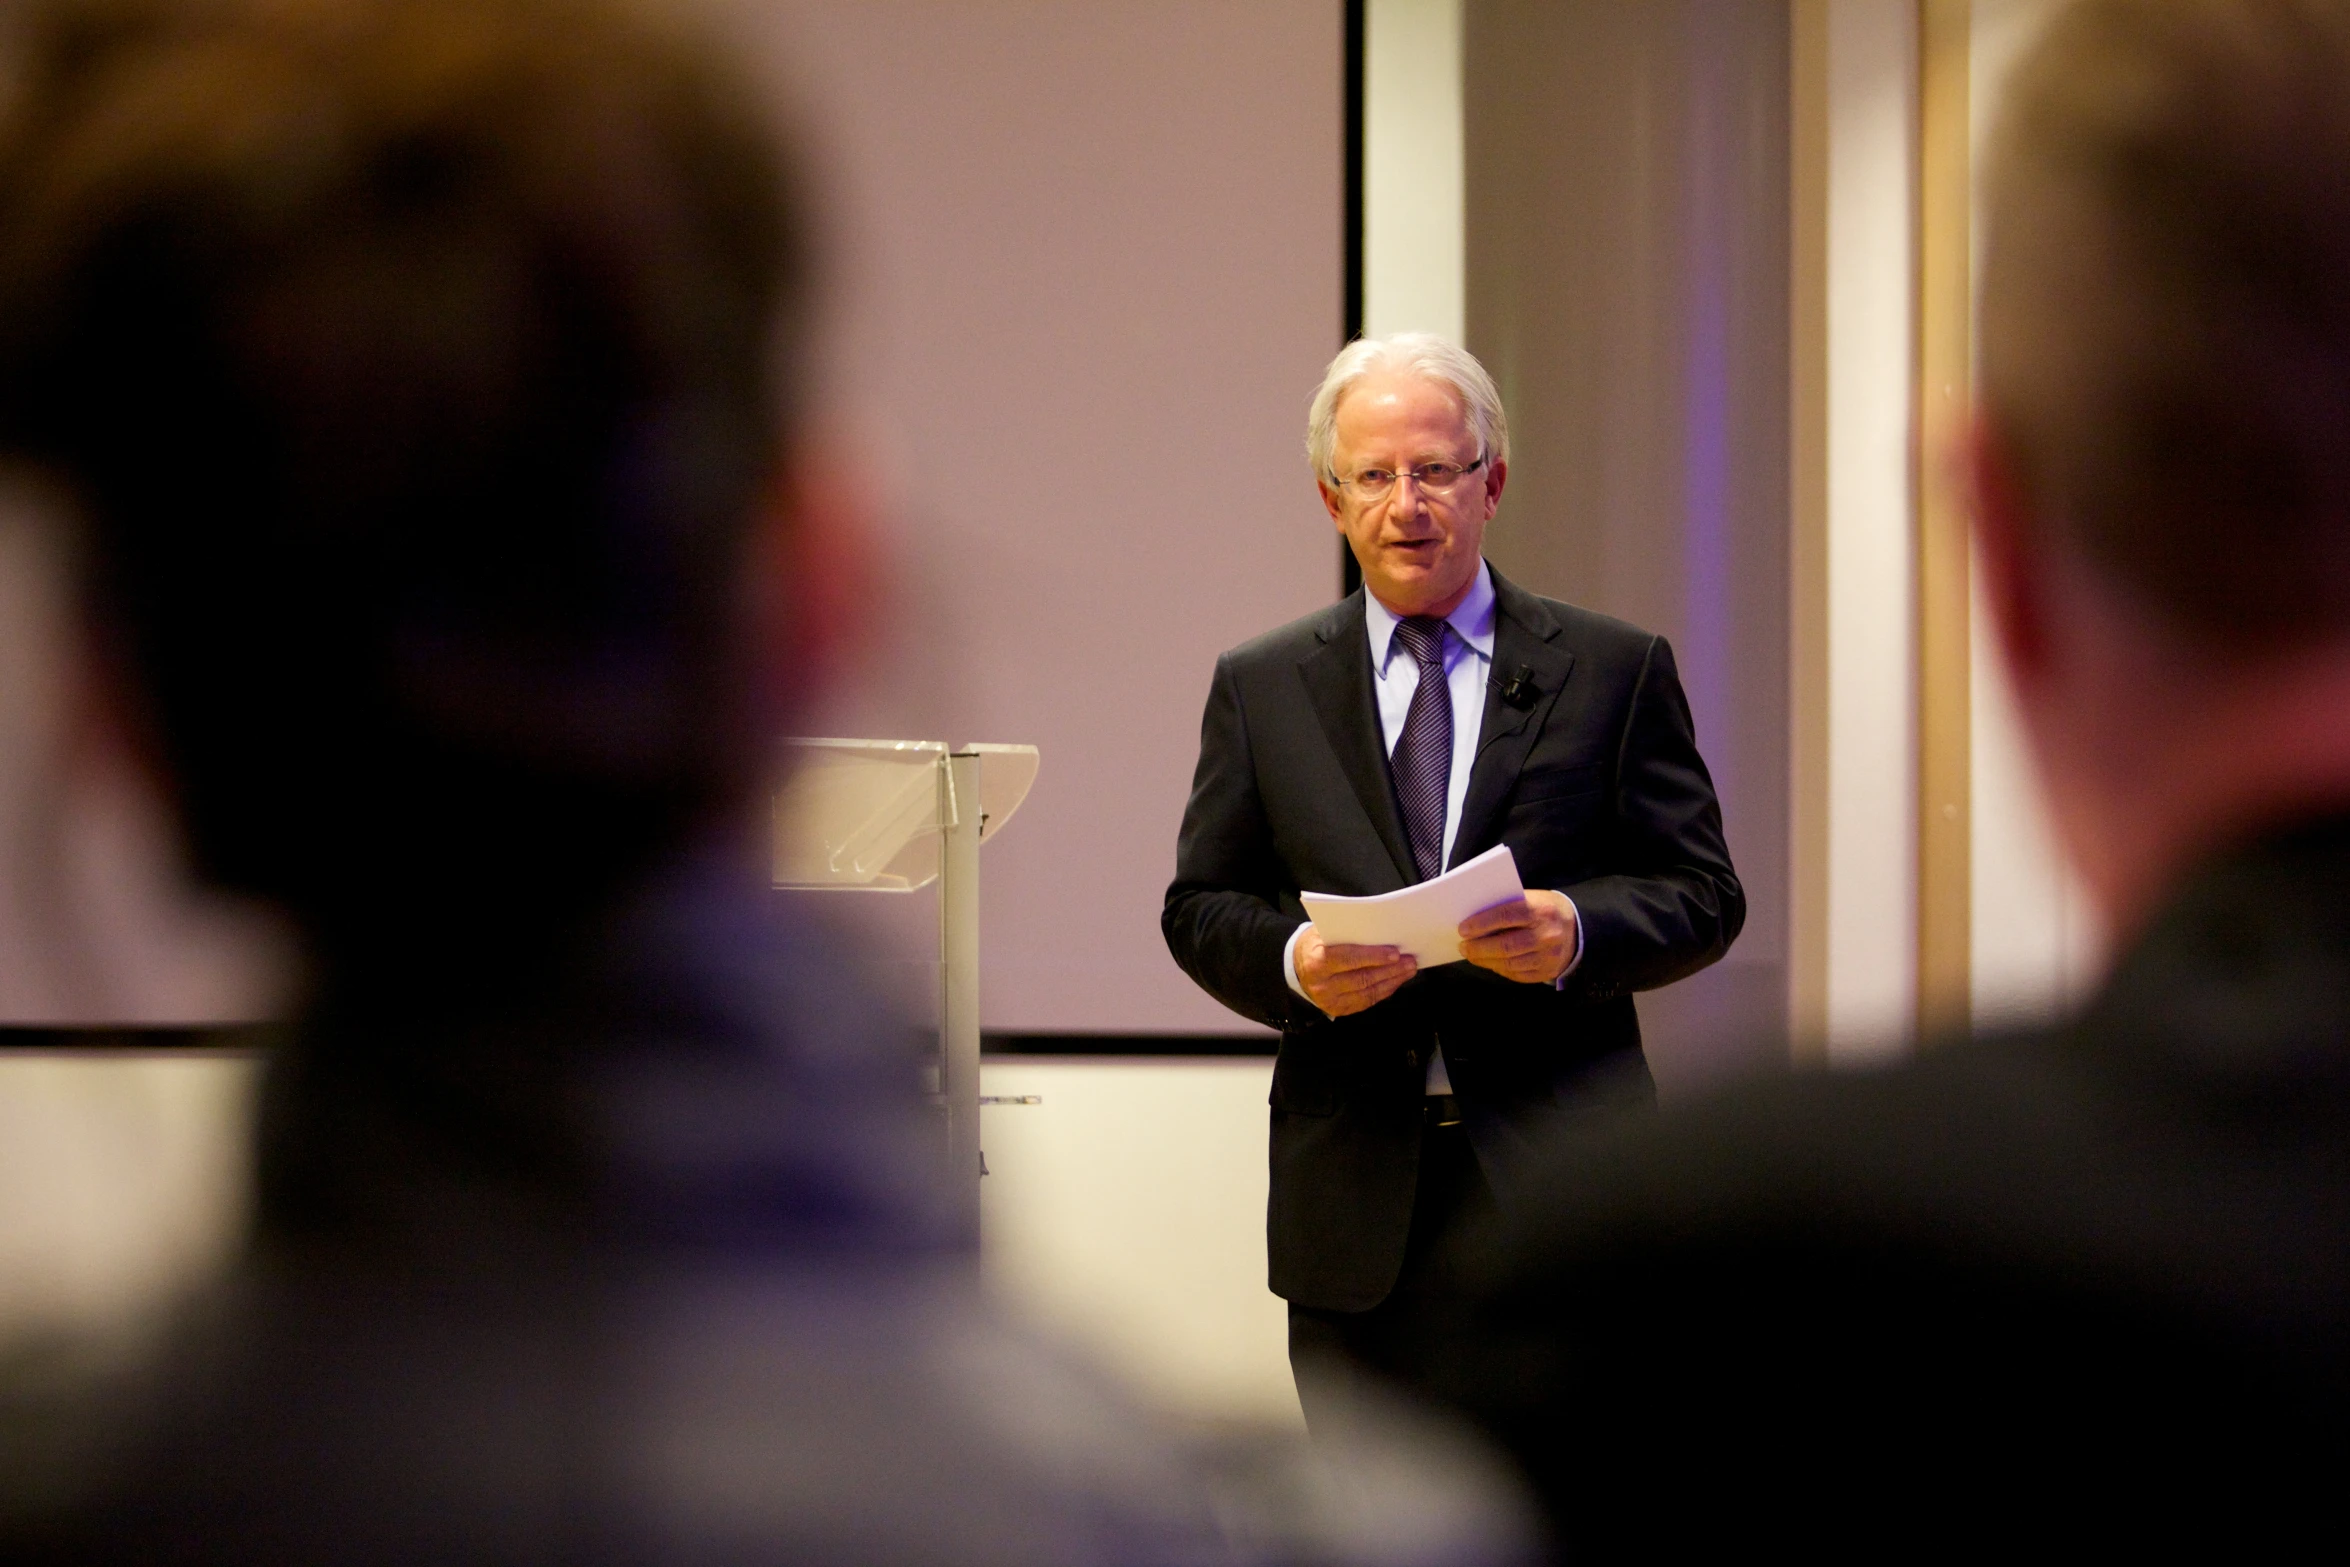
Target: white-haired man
point(1411, 726)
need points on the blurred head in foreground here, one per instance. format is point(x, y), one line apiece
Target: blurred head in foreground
point(2086, 1285)
point(420, 376)
point(420, 373)
point(2163, 459)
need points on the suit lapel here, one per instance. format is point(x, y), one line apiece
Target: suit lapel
point(1337, 675)
point(1525, 637)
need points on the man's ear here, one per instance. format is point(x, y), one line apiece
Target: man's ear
point(815, 577)
point(2010, 553)
point(1330, 503)
point(1497, 474)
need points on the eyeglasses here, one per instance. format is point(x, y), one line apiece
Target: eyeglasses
point(1433, 478)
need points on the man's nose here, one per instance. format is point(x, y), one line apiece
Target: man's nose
point(1407, 500)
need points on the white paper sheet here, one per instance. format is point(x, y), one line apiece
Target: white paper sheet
point(1423, 919)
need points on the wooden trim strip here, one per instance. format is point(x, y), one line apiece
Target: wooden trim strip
point(1807, 608)
point(1945, 352)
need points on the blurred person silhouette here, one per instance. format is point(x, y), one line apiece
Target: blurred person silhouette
point(422, 381)
point(2086, 1287)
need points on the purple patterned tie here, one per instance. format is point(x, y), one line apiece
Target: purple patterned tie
point(1423, 752)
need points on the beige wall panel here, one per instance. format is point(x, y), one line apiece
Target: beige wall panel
point(1628, 286)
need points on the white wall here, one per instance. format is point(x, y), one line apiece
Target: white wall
point(1872, 724)
point(120, 1182)
point(1413, 277)
point(1128, 1210)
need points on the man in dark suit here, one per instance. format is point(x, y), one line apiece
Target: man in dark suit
point(1415, 725)
point(2089, 1286)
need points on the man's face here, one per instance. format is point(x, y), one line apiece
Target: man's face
point(1419, 551)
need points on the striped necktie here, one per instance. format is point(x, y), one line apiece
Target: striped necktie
point(1423, 752)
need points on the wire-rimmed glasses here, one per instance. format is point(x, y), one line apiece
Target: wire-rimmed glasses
point(1435, 479)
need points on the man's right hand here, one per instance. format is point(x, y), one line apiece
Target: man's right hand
point(1344, 979)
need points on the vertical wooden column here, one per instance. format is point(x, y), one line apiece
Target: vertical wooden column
point(1945, 352)
point(1807, 563)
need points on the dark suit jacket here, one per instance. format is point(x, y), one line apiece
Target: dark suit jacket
point(1595, 783)
point(2088, 1286)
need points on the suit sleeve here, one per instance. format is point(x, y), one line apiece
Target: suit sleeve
point(1223, 920)
point(1676, 905)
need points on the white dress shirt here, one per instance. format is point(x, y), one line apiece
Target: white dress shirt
point(1468, 665)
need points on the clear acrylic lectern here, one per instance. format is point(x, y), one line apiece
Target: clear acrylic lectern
point(894, 816)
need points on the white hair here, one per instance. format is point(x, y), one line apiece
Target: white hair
point(1412, 353)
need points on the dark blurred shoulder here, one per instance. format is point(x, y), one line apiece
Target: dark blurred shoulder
point(1950, 1279)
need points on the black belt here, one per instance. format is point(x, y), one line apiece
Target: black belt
point(1443, 1110)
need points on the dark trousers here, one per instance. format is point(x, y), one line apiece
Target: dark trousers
point(1398, 1338)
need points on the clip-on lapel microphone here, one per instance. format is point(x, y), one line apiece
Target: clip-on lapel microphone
point(1519, 690)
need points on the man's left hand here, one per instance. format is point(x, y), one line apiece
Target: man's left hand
point(1529, 939)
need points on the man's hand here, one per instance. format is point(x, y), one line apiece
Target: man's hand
point(1346, 979)
point(1529, 939)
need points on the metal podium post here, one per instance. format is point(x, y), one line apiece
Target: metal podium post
point(892, 816)
point(960, 820)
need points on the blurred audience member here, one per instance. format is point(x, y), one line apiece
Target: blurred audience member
point(421, 379)
point(2088, 1287)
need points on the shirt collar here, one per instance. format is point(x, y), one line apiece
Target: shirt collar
point(1471, 620)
